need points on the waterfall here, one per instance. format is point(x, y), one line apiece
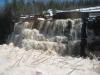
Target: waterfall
point(56, 35)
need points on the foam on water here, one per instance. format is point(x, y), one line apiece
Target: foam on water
point(17, 61)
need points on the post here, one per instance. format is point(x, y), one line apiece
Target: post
point(83, 43)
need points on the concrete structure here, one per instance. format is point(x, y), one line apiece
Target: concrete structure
point(76, 13)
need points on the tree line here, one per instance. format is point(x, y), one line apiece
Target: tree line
point(37, 6)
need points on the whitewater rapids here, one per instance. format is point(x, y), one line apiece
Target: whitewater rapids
point(18, 61)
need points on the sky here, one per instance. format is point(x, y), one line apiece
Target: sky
point(1, 2)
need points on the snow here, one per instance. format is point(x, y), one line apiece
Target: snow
point(89, 9)
point(50, 12)
point(18, 61)
point(41, 19)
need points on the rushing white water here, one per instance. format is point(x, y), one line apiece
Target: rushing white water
point(18, 61)
point(56, 35)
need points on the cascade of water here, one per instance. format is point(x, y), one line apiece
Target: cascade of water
point(76, 29)
point(47, 35)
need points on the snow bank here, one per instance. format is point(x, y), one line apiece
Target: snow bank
point(15, 61)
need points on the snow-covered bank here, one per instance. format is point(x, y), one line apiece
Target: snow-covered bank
point(16, 61)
